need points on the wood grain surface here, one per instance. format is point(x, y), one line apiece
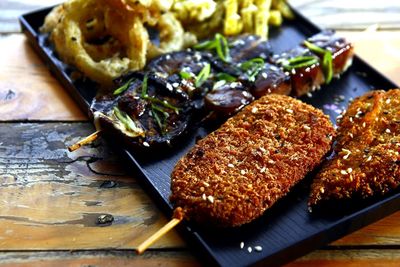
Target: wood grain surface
point(51, 200)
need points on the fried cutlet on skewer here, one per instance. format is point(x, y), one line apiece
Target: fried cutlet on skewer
point(367, 160)
point(234, 174)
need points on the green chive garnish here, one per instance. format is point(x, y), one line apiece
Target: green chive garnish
point(126, 120)
point(203, 75)
point(162, 103)
point(123, 87)
point(327, 63)
point(252, 67)
point(300, 62)
point(222, 76)
point(185, 75)
point(219, 43)
point(328, 66)
point(144, 86)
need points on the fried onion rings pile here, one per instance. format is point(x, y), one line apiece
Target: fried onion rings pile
point(105, 38)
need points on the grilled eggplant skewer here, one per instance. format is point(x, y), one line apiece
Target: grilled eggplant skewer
point(233, 175)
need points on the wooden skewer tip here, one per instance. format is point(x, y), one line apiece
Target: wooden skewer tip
point(87, 140)
point(160, 233)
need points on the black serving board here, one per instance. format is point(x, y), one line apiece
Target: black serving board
point(287, 230)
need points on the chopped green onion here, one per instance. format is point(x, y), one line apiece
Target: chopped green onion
point(222, 47)
point(314, 48)
point(203, 75)
point(222, 76)
point(123, 87)
point(157, 120)
point(252, 67)
point(328, 66)
point(219, 43)
point(185, 75)
point(300, 62)
point(162, 103)
point(327, 63)
point(144, 86)
point(127, 121)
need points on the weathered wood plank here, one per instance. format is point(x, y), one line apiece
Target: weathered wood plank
point(345, 258)
point(51, 199)
point(101, 258)
point(27, 89)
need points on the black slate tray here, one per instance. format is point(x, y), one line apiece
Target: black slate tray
point(287, 230)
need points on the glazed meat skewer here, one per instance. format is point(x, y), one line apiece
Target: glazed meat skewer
point(237, 172)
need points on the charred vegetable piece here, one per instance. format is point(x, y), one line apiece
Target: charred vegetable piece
point(342, 50)
point(147, 111)
point(228, 99)
point(183, 69)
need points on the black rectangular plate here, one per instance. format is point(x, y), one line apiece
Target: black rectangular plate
point(287, 230)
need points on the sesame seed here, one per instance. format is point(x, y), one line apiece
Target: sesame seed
point(364, 124)
point(351, 135)
point(241, 245)
point(387, 130)
point(369, 158)
point(258, 248)
point(204, 197)
point(309, 94)
point(322, 190)
point(211, 199)
point(230, 165)
point(175, 85)
point(306, 127)
point(249, 249)
point(254, 110)
point(346, 156)
point(349, 170)
point(146, 144)
point(351, 119)
point(263, 170)
point(169, 87)
point(289, 110)
point(262, 149)
point(242, 172)
point(387, 101)
point(264, 75)
point(206, 184)
point(344, 172)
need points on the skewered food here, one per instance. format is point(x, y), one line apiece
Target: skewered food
point(234, 174)
point(216, 82)
point(316, 61)
point(366, 161)
point(144, 110)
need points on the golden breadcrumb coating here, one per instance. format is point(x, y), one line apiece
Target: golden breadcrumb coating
point(238, 171)
point(367, 159)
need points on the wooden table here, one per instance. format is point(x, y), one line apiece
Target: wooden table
point(50, 199)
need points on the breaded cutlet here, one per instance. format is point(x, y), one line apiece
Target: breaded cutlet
point(367, 160)
point(234, 174)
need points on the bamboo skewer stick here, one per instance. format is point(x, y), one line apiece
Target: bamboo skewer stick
point(87, 140)
point(160, 233)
